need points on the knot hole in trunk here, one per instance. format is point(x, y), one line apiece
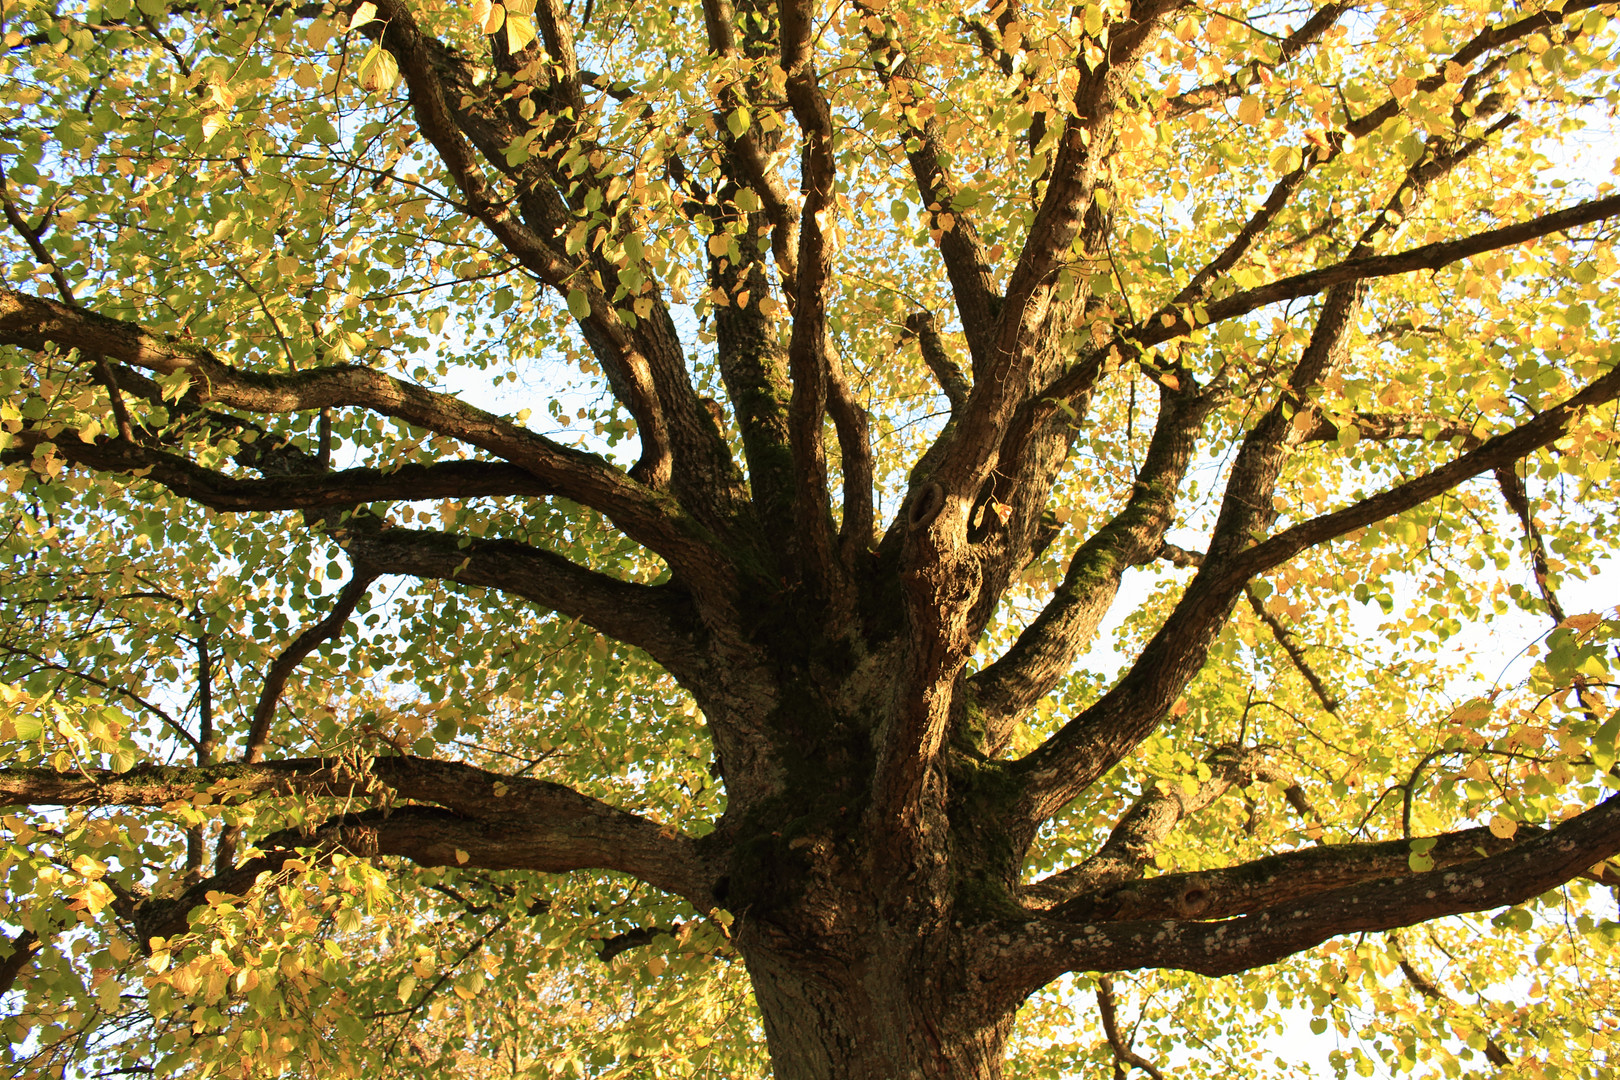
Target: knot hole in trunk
point(926, 506)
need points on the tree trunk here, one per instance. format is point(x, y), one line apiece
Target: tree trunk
point(890, 1014)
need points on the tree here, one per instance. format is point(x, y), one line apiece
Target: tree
point(363, 720)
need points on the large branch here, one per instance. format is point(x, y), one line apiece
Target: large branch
point(1100, 736)
point(1044, 948)
point(1125, 854)
point(33, 323)
point(656, 618)
point(808, 362)
point(628, 368)
point(967, 264)
point(460, 113)
point(1284, 878)
point(1068, 206)
point(319, 491)
point(1044, 651)
point(1433, 256)
point(499, 822)
point(759, 170)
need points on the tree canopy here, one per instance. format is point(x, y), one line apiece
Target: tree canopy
point(871, 539)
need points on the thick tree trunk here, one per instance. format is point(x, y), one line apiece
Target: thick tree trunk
point(890, 1015)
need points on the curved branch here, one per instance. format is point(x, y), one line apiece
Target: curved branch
point(1044, 948)
point(1120, 1046)
point(628, 368)
point(650, 617)
point(499, 822)
point(920, 324)
point(1043, 652)
point(237, 494)
point(1283, 878)
point(34, 323)
point(275, 680)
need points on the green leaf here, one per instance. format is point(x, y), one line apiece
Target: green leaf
point(579, 305)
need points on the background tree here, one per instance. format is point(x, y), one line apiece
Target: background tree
point(520, 514)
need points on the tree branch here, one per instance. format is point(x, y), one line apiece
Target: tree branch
point(236, 494)
point(1284, 878)
point(1216, 92)
point(629, 368)
point(1044, 651)
point(275, 680)
point(1044, 948)
point(967, 264)
point(1428, 257)
point(920, 324)
point(1121, 1047)
point(1426, 988)
point(1291, 646)
point(1090, 744)
point(1124, 856)
point(32, 323)
point(499, 822)
point(24, 945)
point(808, 362)
point(1388, 427)
point(650, 617)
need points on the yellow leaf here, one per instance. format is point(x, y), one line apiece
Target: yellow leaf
point(494, 15)
point(1503, 827)
point(1250, 110)
point(1581, 623)
point(92, 898)
point(519, 31)
point(363, 14)
point(378, 70)
point(462, 857)
point(1403, 88)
